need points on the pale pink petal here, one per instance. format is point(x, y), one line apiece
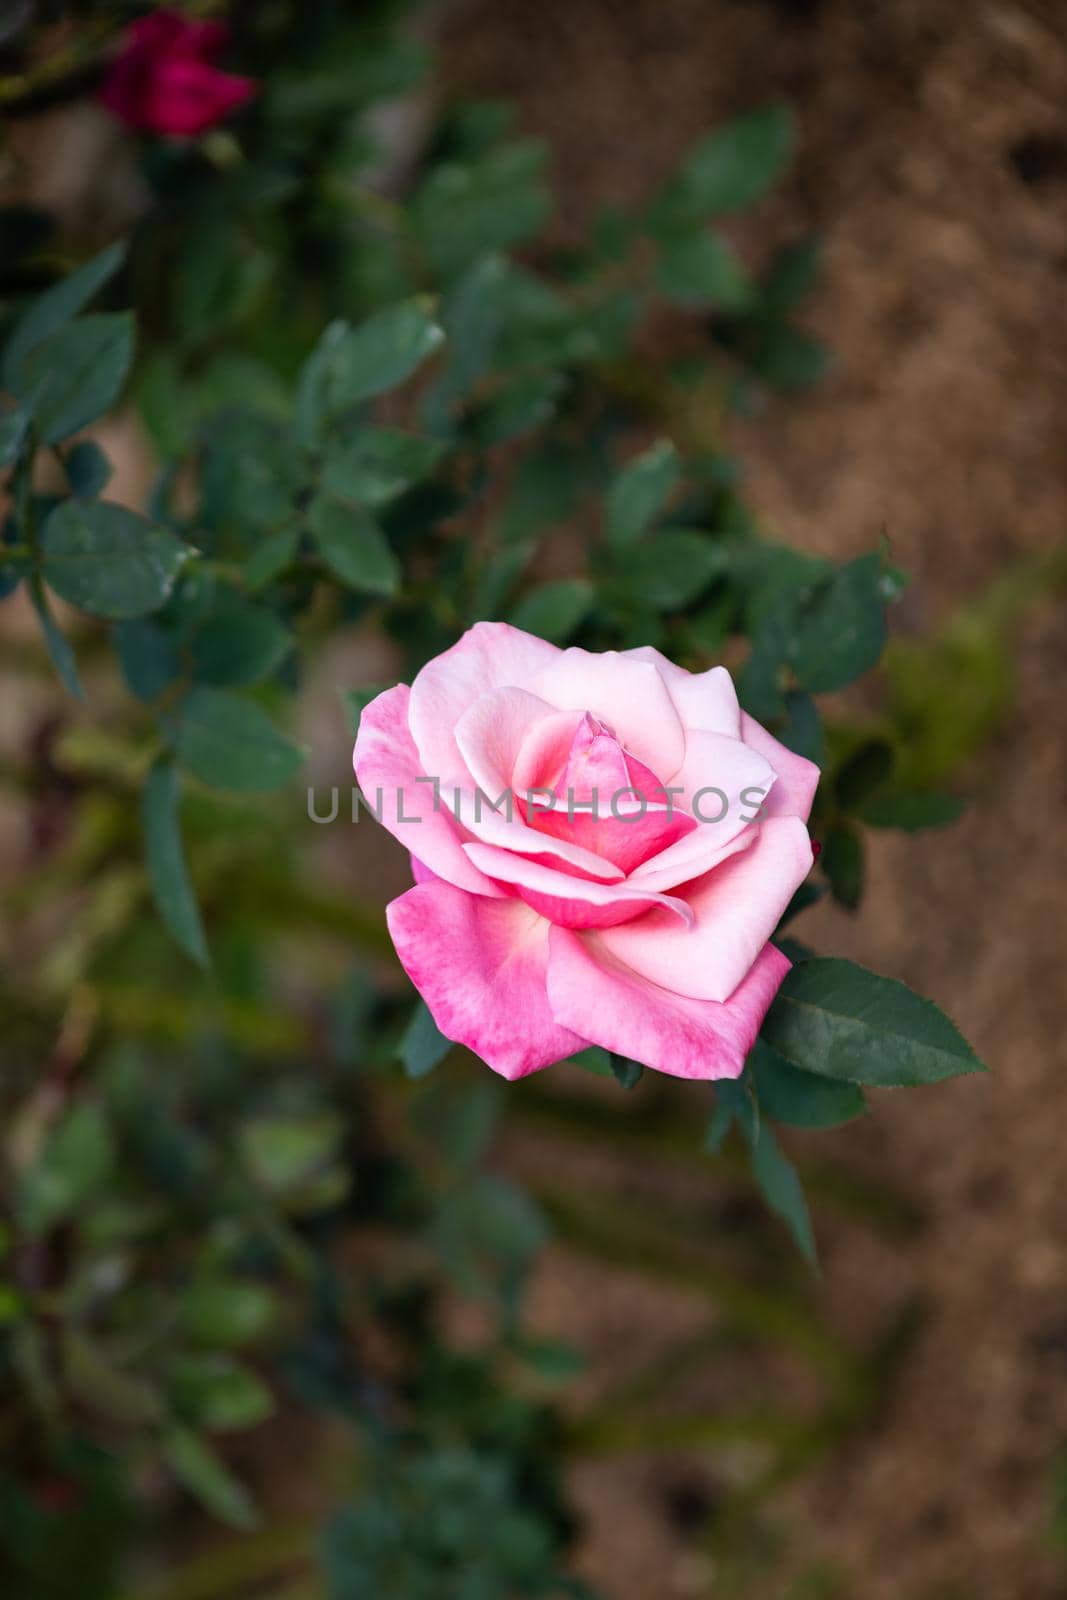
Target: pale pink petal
point(736, 908)
point(629, 695)
point(480, 967)
point(490, 655)
point(591, 990)
point(543, 756)
point(490, 734)
point(573, 902)
point(506, 830)
point(387, 766)
point(690, 858)
point(723, 782)
point(704, 699)
point(798, 778)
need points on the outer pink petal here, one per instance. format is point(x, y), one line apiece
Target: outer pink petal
point(736, 908)
point(480, 966)
point(798, 778)
point(630, 696)
point(590, 990)
point(386, 761)
point(489, 655)
point(704, 699)
point(574, 902)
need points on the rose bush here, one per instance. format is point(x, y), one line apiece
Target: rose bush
point(164, 79)
point(603, 846)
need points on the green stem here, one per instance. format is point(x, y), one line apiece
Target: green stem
point(236, 1567)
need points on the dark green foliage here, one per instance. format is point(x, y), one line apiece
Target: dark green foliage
point(833, 1018)
point(104, 559)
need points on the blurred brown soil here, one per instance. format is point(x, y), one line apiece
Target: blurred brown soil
point(933, 161)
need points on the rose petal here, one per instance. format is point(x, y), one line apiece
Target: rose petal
point(491, 732)
point(387, 767)
point(490, 655)
point(736, 907)
point(690, 858)
point(630, 696)
point(628, 839)
point(723, 782)
point(480, 967)
point(797, 778)
point(705, 700)
point(591, 990)
point(573, 902)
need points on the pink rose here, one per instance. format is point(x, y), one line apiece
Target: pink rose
point(649, 835)
point(164, 79)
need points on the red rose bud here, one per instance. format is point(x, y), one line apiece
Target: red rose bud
point(164, 79)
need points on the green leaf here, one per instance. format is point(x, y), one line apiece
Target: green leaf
point(730, 169)
point(271, 557)
point(226, 1312)
point(791, 277)
point(625, 1071)
point(546, 489)
point(13, 428)
point(672, 569)
point(284, 1152)
point(842, 862)
point(251, 479)
point(840, 631)
point(148, 656)
point(75, 375)
point(377, 465)
point(552, 1360)
point(353, 546)
point(776, 1176)
point(167, 871)
point(59, 650)
point(74, 1165)
point(808, 894)
point(700, 269)
point(801, 1099)
point(518, 406)
point(238, 644)
point(219, 1394)
point(464, 212)
point(352, 365)
point(866, 770)
point(782, 1189)
point(912, 811)
point(594, 1059)
point(109, 561)
point(229, 742)
point(789, 359)
point(423, 1045)
point(802, 729)
point(640, 492)
point(88, 469)
point(554, 611)
point(58, 305)
point(198, 1469)
point(836, 1019)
